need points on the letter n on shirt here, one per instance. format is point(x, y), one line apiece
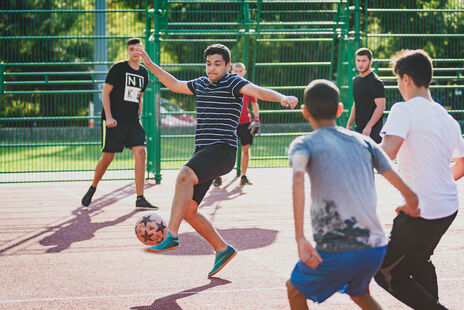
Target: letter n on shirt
point(133, 87)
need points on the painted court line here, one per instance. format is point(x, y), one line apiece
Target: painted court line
point(142, 295)
point(165, 294)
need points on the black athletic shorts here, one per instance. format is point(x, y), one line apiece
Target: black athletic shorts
point(209, 162)
point(244, 134)
point(123, 135)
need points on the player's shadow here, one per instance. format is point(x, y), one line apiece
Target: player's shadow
point(81, 227)
point(191, 243)
point(228, 191)
point(170, 302)
point(221, 193)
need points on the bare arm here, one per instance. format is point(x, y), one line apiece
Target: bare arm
point(378, 113)
point(412, 202)
point(255, 107)
point(140, 105)
point(458, 168)
point(165, 77)
point(307, 253)
point(391, 145)
point(350, 123)
point(110, 121)
point(268, 94)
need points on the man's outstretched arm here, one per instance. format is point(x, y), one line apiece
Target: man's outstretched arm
point(165, 77)
point(268, 94)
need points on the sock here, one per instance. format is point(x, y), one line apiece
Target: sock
point(139, 197)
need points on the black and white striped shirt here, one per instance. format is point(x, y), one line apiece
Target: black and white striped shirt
point(218, 109)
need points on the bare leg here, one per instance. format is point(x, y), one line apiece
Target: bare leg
point(183, 195)
point(140, 155)
point(366, 302)
point(204, 227)
point(102, 165)
point(296, 298)
point(245, 158)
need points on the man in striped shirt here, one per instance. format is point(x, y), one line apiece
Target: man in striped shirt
point(219, 98)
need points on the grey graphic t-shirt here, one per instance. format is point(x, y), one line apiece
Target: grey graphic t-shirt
point(340, 169)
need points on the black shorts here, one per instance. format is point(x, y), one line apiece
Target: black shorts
point(123, 135)
point(209, 162)
point(244, 134)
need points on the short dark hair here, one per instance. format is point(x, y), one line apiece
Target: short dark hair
point(218, 49)
point(321, 99)
point(133, 41)
point(364, 52)
point(415, 63)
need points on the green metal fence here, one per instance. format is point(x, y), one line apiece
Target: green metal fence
point(50, 106)
point(437, 27)
point(55, 59)
point(283, 44)
point(58, 56)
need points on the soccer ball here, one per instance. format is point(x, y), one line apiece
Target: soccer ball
point(150, 228)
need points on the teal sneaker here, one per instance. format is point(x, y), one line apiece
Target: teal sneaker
point(169, 243)
point(222, 258)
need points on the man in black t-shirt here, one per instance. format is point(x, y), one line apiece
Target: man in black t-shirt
point(219, 102)
point(368, 98)
point(122, 107)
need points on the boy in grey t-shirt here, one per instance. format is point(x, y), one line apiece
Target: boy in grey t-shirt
point(350, 242)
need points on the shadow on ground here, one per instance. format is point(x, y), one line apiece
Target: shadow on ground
point(80, 227)
point(170, 302)
point(192, 243)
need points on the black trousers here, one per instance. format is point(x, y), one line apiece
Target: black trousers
point(407, 271)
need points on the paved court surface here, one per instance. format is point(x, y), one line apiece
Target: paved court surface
point(55, 255)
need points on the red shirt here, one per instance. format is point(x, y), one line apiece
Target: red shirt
point(245, 117)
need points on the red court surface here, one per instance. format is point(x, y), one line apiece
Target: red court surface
point(55, 255)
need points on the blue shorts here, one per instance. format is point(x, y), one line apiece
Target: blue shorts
point(347, 272)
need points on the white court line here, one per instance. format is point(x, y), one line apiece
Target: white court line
point(164, 294)
point(140, 295)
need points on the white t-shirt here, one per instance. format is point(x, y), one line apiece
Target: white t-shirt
point(431, 139)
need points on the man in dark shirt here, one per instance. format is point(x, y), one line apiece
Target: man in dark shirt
point(219, 98)
point(368, 98)
point(122, 106)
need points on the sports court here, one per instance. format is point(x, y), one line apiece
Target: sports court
point(55, 255)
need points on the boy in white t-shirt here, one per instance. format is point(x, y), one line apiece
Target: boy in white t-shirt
point(425, 138)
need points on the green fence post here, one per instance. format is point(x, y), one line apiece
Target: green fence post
point(156, 56)
point(148, 97)
point(245, 60)
point(366, 23)
point(153, 120)
point(357, 24)
point(2, 78)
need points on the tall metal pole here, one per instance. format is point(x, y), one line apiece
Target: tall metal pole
point(357, 24)
point(245, 60)
point(156, 56)
point(100, 55)
point(149, 99)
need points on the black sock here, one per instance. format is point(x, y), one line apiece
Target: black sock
point(139, 197)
